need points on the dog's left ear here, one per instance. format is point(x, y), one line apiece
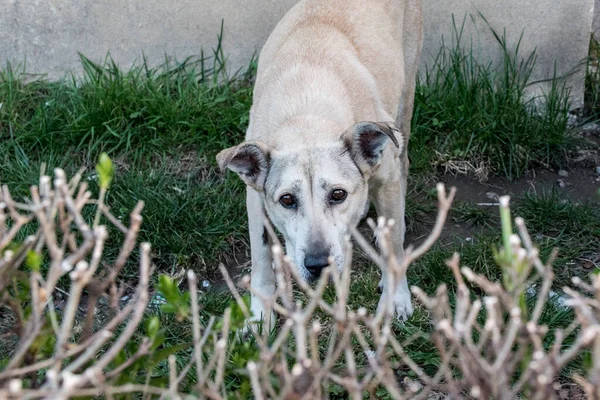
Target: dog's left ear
point(250, 160)
point(367, 140)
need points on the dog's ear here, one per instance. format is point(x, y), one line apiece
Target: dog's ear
point(250, 160)
point(367, 140)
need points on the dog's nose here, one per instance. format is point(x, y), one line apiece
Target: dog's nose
point(316, 263)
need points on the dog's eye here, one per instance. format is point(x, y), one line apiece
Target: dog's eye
point(288, 201)
point(338, 196)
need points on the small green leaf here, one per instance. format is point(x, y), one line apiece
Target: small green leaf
point(158, 340)
point(168, 288)
point(120, 358)
point(105, 170)
point(168, 308)
point(238, 318)
point(152, 327)
point(33, 261)
point(336, 389)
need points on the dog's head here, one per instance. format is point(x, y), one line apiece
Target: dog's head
point(312, 195)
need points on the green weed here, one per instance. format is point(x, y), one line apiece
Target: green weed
point(468, 110)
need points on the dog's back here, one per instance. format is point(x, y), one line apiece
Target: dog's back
point(330, 63)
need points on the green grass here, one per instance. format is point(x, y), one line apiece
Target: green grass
point(142, 111)
point(162, 126)
point(471, 110)
point(473, 215)
point(573, 228)
point(551, 213)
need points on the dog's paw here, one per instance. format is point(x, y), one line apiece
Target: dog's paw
point(402, 304)
point(261, 319)
point(403, 307)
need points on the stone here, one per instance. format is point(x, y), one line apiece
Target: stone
point(563, 173)
point(413, 385)
point(572, 120)
point(592, 127)
point(492, 196)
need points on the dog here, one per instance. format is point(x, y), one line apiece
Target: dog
point(328, 132)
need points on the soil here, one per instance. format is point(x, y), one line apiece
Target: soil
point(579, 185)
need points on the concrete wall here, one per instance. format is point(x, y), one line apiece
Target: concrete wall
point(49, 33)
point(596, 23)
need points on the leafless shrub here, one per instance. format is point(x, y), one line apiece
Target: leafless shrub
point(484, 341)
point(73, 248)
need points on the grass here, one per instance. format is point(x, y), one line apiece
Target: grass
point(480, 112)
point(549, 212)
point(472, 215)
point(163, 126)
point(569, 226)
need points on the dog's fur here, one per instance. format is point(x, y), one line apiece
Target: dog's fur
point(332, 109)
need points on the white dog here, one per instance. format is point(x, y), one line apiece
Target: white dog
point(328, 132)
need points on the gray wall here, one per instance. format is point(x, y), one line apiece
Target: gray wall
point(596, 24)
point(48, 34)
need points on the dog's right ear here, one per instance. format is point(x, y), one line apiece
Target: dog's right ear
point(250, 160)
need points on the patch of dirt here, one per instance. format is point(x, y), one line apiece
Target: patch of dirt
point(579, 184)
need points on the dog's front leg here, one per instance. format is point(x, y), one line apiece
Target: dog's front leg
point(389, 201)
point(262, 275)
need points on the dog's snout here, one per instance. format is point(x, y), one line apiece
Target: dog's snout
point(315, 263)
